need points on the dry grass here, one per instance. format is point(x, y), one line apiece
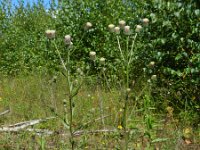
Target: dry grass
point(32, 97)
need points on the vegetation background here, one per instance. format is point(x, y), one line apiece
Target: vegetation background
point(28, 61)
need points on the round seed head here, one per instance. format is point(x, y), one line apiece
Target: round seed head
point(88, 25)
point(102, 60)
point(50, 34)
point(68, 39)
point(128, 90)
point(153, 77)
point(152, 64)
point(122, 23)
point(92, 55)
point(145, 21)
point(111, 27)
point(117, 30)
point(138, 28)
point(127, 30)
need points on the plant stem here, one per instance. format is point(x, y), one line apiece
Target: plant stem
point(70, 96)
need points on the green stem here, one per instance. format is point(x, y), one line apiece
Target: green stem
point(70, 87)
point(131, 51)
point(120, 49)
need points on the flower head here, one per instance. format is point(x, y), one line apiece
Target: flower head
point(117, 30)
point(127, 30)
point(120, 127)
point(153, 77)
point(50, 34)
point(128, 90)
point(187, 132)
point(145, 21)
point(152, 64)
point(67, 39)
point(88, 25)
point(102, 60)
point(111, 27)
point(122, 23)
point(92, 55)
point(138, 28)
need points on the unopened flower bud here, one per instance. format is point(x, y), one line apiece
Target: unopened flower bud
point(152, 64)
point(138, 28)
point(102, 60)
point(111, 27)
point(92, 55)
point(154, 77)
point(145, 21)
point(128, 90)
point(117, 30)
point(50, 34)
point(68, 39)
point(127, 30)
point(88, 25)
point(122, 23)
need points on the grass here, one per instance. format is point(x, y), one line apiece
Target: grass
point(32, 97)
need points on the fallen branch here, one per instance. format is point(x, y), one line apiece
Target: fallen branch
point(78, 133)
point(40, 131)
point(5, 112)
point(22, 125)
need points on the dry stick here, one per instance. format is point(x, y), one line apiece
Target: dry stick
point(22, 125)
point(5, 112)
point(40, 131)
point(78, 133)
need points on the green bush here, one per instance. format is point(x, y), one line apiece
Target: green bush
point(171, 40)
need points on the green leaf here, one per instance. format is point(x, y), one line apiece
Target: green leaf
point(178, 57)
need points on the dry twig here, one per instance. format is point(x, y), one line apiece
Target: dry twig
point(4, 112)
point(19, 126)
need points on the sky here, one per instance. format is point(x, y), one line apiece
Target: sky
point(46, 2)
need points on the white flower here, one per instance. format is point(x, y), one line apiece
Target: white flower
point(117, 30)
point(102, 60)
point(145, 21)
point(88, 25)
point(122, 23)
point(138, 28)
point(92, 55)
point(68, 40)
point(111, 27)
point(127, 30)
point(50, 34)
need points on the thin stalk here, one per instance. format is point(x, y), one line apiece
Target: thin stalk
point(126, 134)
point(127, 47)
point(70, 87)
point(132, 46)
point(120, 49)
